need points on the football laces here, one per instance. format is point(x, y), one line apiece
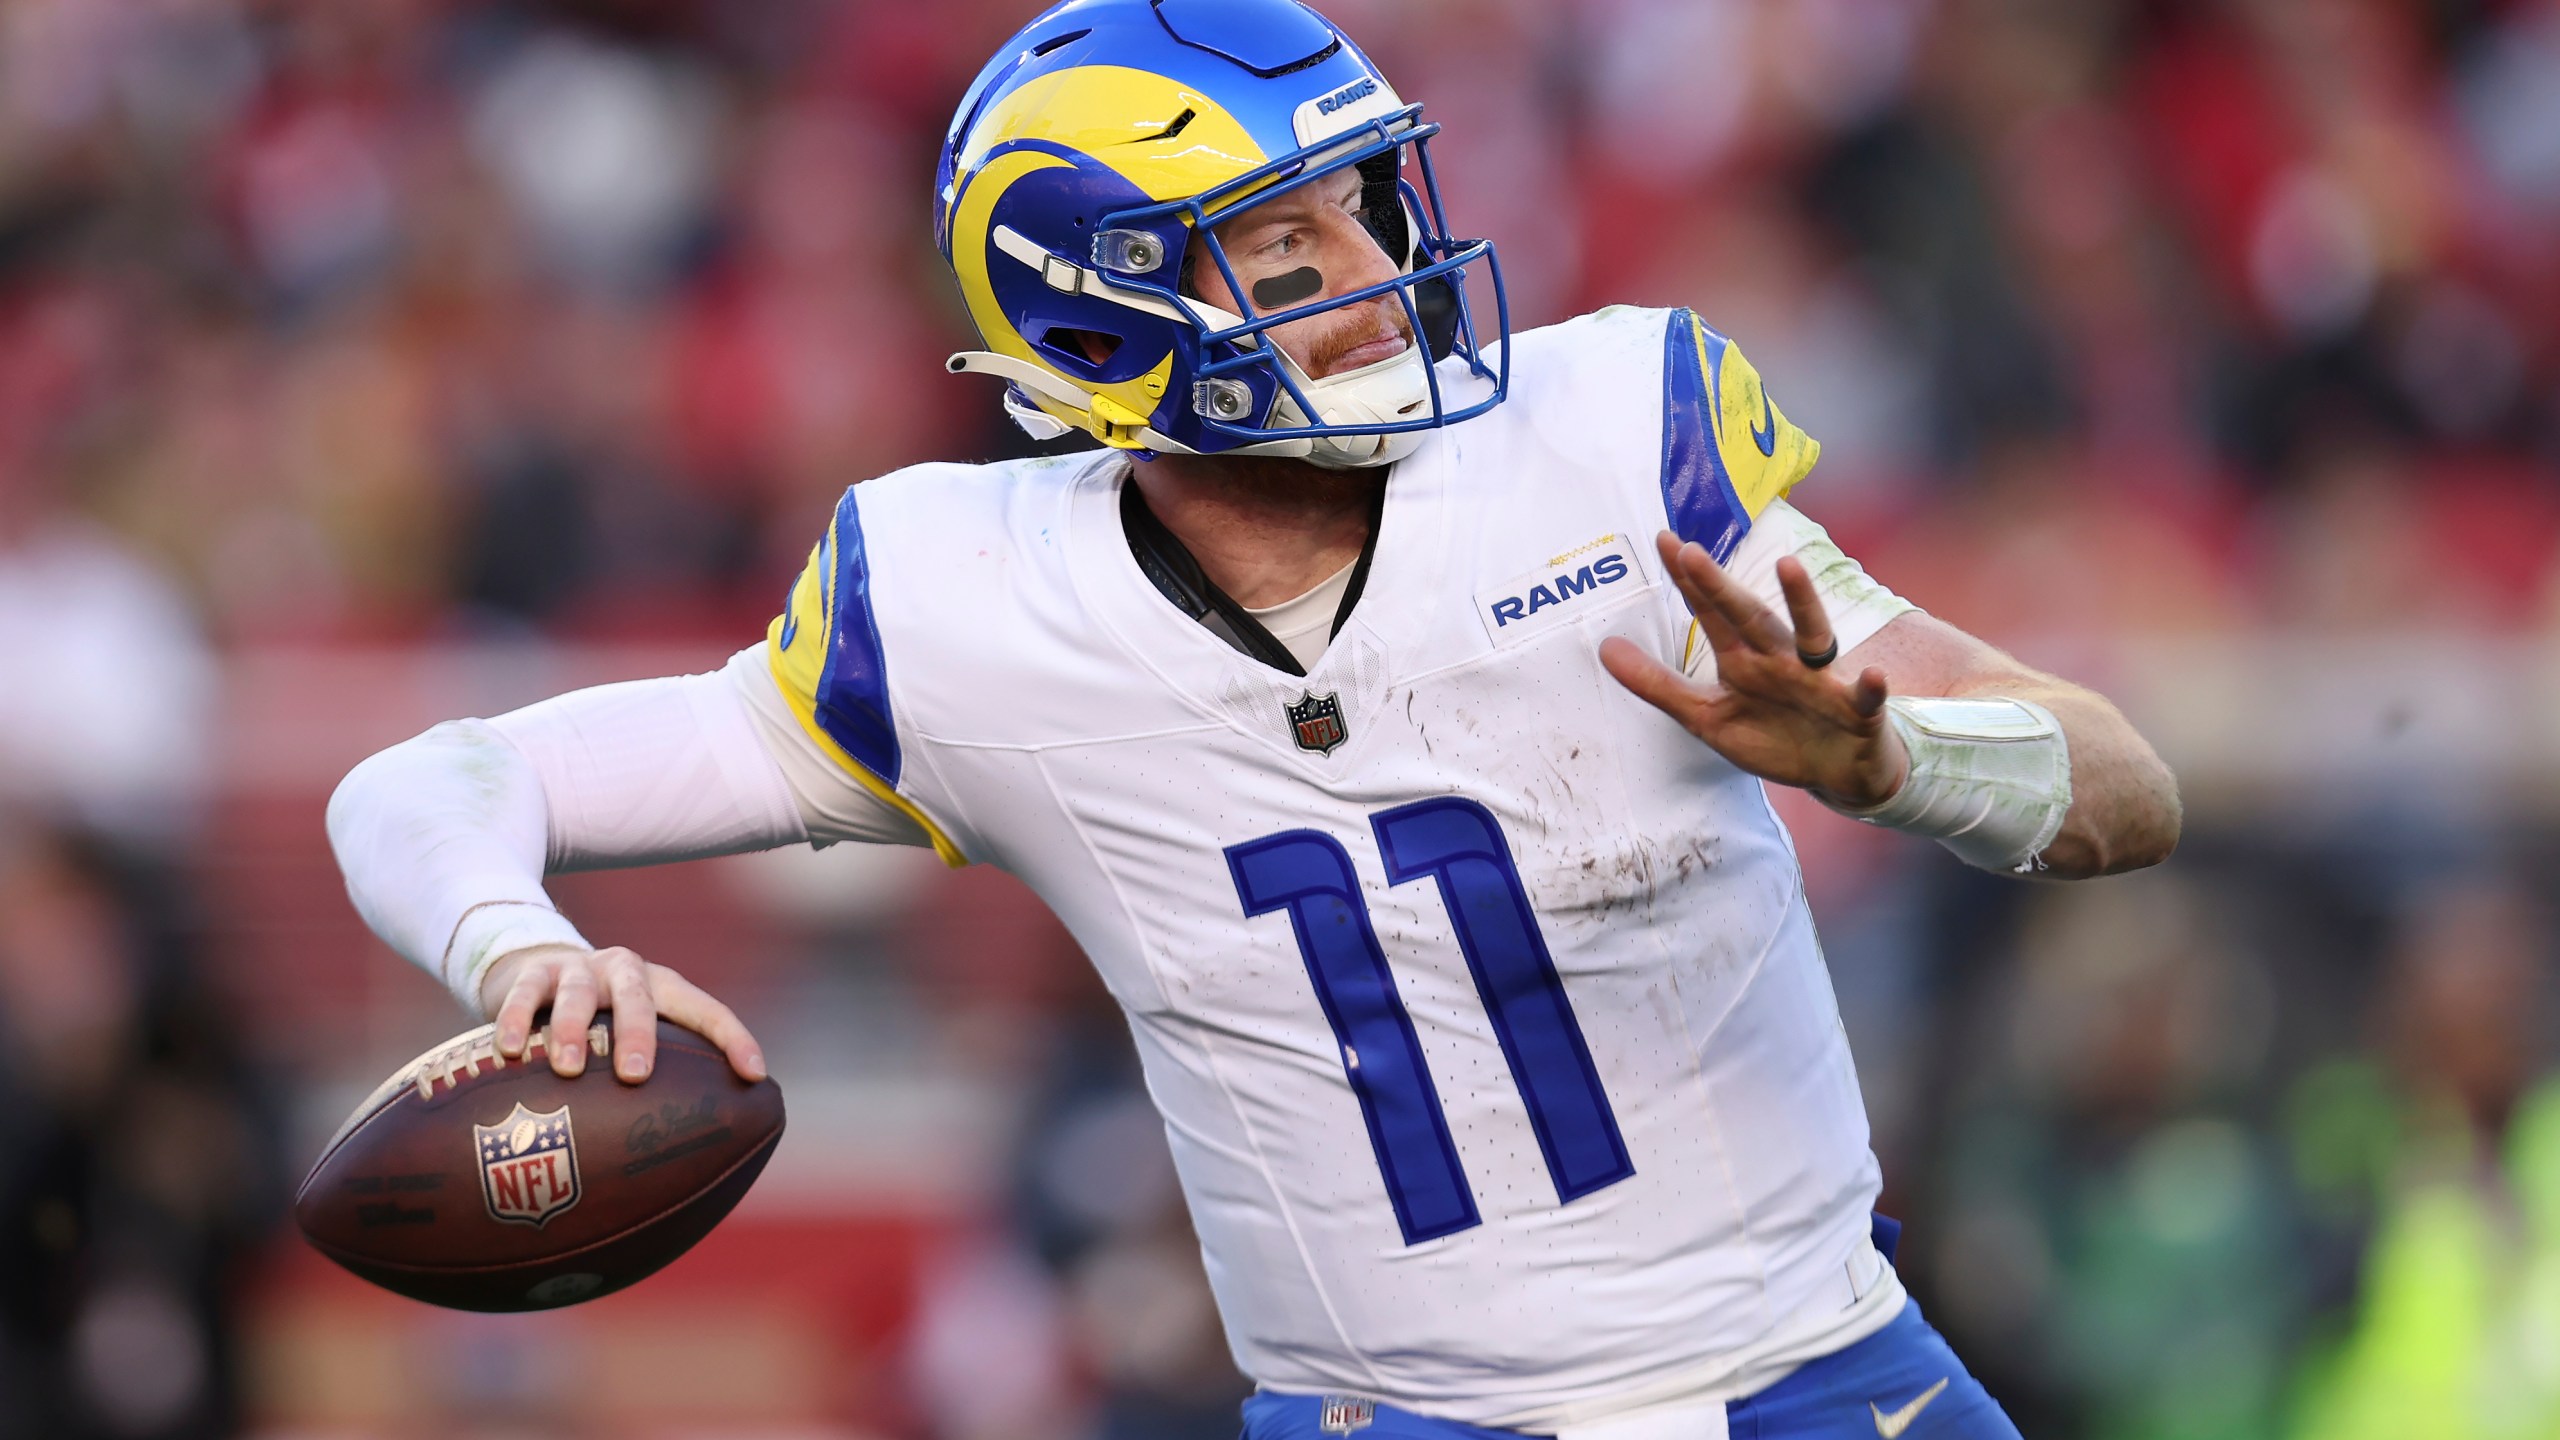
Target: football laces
point(461, 1060)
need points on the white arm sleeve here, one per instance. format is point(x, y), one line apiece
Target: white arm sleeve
point(1858, 605)
point(444, 839)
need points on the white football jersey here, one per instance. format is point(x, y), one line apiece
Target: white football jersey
point(1489, 1027)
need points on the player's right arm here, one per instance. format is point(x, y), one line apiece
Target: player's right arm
point(445, 840)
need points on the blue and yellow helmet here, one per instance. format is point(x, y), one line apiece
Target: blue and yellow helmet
point(1106, 135)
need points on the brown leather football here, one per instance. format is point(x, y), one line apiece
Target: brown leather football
point(484, 1184)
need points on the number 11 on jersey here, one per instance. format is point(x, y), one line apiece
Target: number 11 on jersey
point(1459, 845)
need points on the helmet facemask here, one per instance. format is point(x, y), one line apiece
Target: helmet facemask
point(1389, 392)
point(1254, 391)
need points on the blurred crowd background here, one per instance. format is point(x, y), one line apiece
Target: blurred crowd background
point(367, 362)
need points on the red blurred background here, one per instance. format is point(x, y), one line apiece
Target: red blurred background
point(369, 362)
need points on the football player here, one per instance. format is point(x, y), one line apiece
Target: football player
point(1386, 703)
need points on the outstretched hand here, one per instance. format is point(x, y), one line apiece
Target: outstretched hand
point(1767, 710)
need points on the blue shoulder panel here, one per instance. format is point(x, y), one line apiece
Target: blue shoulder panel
point(1696, 491)
point(853, 688)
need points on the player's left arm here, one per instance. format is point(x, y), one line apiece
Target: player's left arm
point(2010, 767)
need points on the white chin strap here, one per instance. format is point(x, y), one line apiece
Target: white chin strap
point(1397, 388)
point(1393, 389)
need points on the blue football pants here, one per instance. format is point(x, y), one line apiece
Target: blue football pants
point(1901, 1383)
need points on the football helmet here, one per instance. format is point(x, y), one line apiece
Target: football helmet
point(1106, 136)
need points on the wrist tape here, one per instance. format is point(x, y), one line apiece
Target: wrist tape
point(1990, 779)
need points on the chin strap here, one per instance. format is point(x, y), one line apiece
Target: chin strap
point(1109, 421)
point(1122, 428)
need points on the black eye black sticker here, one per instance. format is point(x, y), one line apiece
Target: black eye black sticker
point(1282, 291)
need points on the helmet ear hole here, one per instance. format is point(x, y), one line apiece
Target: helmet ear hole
point(1078, 351)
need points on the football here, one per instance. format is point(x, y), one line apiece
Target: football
point(470, 1181)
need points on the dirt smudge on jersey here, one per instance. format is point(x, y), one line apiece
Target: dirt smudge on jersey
point(1610, 881)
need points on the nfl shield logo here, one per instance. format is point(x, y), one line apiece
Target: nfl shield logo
point(1317, 721)
point(528, 1165)
point(1343, 1414)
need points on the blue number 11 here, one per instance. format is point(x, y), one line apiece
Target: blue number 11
point(1458, 844)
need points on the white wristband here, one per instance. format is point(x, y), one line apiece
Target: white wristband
point(1990, 779)
point(491, 931)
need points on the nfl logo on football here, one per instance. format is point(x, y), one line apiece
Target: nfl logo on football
point(1317, 721)
point(1343, 1414)
point(528, 1165)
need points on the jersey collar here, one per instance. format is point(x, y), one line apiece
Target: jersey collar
point(1175, 572)
point(1408, 554)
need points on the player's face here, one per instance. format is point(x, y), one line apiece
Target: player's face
point(1302, 247)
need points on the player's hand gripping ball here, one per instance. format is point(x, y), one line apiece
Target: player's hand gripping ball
point(480, 1183)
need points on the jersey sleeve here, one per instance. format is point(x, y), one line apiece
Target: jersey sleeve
point(833, 806)
point(1727, 450)
point(828, 658)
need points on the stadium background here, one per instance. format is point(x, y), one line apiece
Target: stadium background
point(366, 362)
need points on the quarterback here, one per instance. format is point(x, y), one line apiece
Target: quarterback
point(1386, 702)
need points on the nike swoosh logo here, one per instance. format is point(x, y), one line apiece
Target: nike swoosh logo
point(1891, 1426)
point(1765, 435)
point(790, 624)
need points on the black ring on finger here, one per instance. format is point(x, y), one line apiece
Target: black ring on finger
point(1829, 653)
